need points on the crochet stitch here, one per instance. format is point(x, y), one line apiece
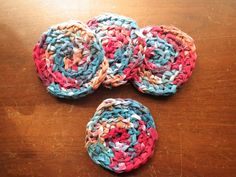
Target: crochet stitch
point(70, 60)
point(123, 47)
point(121, 135)
point(169, 60)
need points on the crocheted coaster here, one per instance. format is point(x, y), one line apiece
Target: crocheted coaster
point(121, 135)
point(169, 60)
point(123, 47)
point(70, 60)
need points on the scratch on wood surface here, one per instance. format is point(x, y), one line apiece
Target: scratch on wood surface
point(224, 156)
point(57, 111)
point(71, 108)
point(209, 17)
point(89, 175)
point(11, 154)
point(11, 112)
point(154, 173)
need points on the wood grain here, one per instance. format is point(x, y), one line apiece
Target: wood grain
point(42, 136)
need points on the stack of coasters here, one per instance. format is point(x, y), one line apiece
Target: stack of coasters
point(121, 135)
point(73, 59)
point(123, 48)
point(70, 60)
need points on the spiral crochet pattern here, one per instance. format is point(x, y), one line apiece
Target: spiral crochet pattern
point(121, 135)
point(169, 60)
point(123, 47)
point(70, 60)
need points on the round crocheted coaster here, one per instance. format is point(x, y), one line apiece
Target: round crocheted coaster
point(169, 60)
point(123, 47)
point(121, 135)
point(70, 60)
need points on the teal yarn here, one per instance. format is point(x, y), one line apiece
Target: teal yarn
point(121, 135)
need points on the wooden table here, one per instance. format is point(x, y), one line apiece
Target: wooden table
point(42, 136)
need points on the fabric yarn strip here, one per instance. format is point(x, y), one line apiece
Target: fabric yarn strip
point(123, 46)
point(170, 58)
point(121, 135)
point(70, 60)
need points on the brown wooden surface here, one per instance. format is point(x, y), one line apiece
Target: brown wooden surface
point(43, 136)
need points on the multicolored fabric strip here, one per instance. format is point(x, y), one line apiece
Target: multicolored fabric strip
point(70, 60)
point(169, 60)
point(123, 46)
point(121, 135)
